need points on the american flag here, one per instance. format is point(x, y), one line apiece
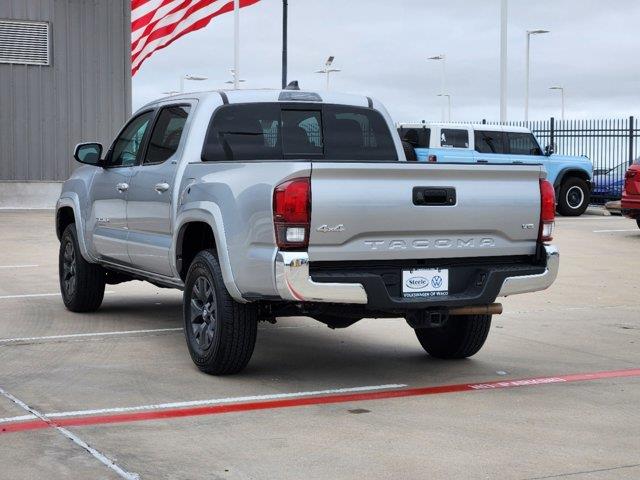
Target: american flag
point(156, 24)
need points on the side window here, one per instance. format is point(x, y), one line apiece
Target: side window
point(126, 147)
point(454, 138)
point(301, 132)
point(244, 132)
point(522, 143)
point(489, 141)
point(166, 134)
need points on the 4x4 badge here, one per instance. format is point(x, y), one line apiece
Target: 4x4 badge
point(327, 228)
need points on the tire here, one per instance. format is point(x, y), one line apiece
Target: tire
point(638, 222)
point(81, 283)
point(461, 337)
point(220, 332)
point(574, 197)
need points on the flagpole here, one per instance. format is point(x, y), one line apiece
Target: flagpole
point(236, 44)
point(285, 12)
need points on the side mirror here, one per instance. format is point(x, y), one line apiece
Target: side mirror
point(88, 153)
point(549, 149)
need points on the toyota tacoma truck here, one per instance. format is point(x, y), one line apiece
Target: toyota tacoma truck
point(275, 203)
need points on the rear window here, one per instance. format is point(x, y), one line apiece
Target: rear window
point(454, 138)
point(489, 142)
point(523, 143)
point(274, 131)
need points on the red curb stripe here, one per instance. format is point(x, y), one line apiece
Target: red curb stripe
point(322, 400)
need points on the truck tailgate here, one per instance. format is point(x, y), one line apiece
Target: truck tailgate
point(399, 210)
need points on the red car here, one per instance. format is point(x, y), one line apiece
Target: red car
point(631, 193)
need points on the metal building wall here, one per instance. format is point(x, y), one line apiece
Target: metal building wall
point(84, 95)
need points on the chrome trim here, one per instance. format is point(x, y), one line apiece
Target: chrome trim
point(534, 283)
point(294, 283)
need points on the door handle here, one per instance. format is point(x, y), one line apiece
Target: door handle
point(161, 187)
point(122, 187)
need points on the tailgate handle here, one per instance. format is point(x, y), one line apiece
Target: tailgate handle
point(434, 196)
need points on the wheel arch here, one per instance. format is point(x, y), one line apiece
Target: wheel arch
point(199, 228)
point(571, 172)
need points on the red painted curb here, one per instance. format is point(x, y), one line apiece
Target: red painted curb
point(320, 400)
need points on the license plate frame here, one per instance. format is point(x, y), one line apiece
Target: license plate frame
point(425, 282)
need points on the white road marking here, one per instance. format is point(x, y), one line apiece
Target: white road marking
point(18, 266)
point(200, 403)
point(611, 231)
point(102, 458)
point(94, 334)
point(32, 295)
point(29, 295)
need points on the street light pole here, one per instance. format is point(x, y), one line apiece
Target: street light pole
point(526, 70)
point(443, 80)
point(562, 99)
point(503, 60)
point(449, 104)
point(236, 44)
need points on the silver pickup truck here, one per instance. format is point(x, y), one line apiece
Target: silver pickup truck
point(265, 204)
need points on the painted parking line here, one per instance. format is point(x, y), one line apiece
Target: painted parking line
point(614, 231)
point(297, 400)
point(200, 403)
point(18, 266)
point(4, 341)
point(35, 295)
point(101, 457)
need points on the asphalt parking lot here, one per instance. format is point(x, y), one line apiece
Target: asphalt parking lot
point(365, 402)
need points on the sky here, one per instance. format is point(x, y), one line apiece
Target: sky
point(382, 47)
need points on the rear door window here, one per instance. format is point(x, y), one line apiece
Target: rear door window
point(166, 134)
point(523, 143)
point(454, 138)
point(489, 141)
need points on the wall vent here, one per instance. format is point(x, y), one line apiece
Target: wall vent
point(25, 42)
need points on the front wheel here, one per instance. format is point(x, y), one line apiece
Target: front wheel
point(220, 332)
point(574, 197)
point(81, 283)
point(461, 336)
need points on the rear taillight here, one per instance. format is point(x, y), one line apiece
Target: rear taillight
point(292, 213)
point(547, 211)
point(432, 159)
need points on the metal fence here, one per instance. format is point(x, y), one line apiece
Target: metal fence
point(611, 145)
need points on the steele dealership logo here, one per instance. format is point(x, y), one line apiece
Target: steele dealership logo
point(484, 242)
point(416, 282)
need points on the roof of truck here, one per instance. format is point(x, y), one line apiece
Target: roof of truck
point(475, 126)
point(272, 95)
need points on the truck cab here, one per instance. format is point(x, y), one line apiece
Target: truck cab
point(571, 176)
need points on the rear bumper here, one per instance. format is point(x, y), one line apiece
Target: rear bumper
point(357, 286)
point(295, 283)
point(534, 283)
point(630, 205)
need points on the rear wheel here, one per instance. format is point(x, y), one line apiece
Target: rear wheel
point(574, 197)
point(220, 332)
point(461, 336)
point(81, 283)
